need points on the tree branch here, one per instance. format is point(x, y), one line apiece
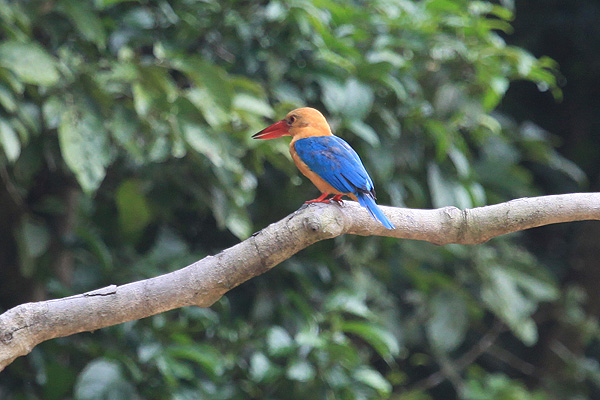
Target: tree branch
point(204, 282)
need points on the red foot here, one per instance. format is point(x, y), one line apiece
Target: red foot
point(337, 198)
point(321, 199)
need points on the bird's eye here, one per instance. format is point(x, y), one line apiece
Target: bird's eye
point(292, 119)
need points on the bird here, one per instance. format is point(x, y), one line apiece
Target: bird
point(327, 160)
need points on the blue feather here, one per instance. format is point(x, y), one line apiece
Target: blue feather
point(338, 164)
point(368, 202)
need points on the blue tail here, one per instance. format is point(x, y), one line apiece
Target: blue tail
point(367, 201)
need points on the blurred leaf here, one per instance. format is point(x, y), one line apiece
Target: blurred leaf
point(124, 130)
point(352, 303)
point(239, 224)
point(33, 240)
point(567, 167)
point(460, 161)
point(351, 99)
point(29, 115)
point(134, 211)
point(309, 337)
point(172, 369)
point(7, 99)
point(84, 146)
point(252, 104)
point(52, 112)
point(301, 371)
point(212, 77)
point(444, 6)
point(142, 99)
point(86, 20)
point(229, 215)
point(502, 295)
point(212, 113)
point(207, 356)
point(279, 342)
point(30, 62)
point(201, 141)
point(382, 341)
point(497, 89)
point(261, 368)
point(448, 99)
point(372, 378)
point(10, 141)
point(499, 386)
point(490, 123)
point(102, 379)
point(105, 3)
point(448, 324)
point(441, 189)
point(37, 237)
point(365, 132)
point(93, 241)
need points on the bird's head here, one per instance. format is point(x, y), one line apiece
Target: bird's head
point(302, 122)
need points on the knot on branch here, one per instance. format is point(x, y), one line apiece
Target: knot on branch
point(454, 225)
point(6, 337)
point(324, 220)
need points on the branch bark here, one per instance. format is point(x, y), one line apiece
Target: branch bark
point(205, 281)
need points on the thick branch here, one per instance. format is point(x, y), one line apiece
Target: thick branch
point(204, 282)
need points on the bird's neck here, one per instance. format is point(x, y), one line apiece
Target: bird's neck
point(310, 131)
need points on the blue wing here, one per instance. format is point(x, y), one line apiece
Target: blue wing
point(336, 162)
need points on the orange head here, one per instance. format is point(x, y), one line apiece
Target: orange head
point(301, 122)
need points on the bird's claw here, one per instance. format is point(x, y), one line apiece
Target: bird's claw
point(323, 199)
point(338, 199)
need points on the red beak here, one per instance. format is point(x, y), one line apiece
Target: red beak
point(278, 129)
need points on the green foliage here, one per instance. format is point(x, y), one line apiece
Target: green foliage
point(498, 386)
point(102, 379)
point(29, 63)
point(145, 109)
